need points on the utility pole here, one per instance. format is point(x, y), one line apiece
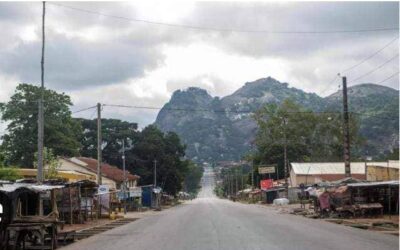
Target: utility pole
point(229, 184)
point(124, 175)
point(236, 180)
point(99, 143)
point(252, 174)
point(39, 176)
point(155, 173)
point(285, 157)
point(346, 131)
point(231, 181)
point(242, 178)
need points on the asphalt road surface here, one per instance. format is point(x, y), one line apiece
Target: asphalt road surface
point(210, 223)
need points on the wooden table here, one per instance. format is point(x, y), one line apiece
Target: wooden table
point(36, 227)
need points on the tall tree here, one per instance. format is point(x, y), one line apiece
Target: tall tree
point(167, 150)
point(61, 131)
point(192, 178)
point(142, 148)
point(309, 136)
point(114, 131)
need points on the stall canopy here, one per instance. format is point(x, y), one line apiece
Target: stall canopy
point(10, 188)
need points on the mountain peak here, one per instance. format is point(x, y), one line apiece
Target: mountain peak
point(264, 83)
point(190, 91)
point(214, 136)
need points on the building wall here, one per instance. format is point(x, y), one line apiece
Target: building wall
point(66, 165)
point(129, 183)
point(379, 173)
point(296, 180)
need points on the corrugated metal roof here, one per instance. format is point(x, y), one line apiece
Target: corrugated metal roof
point(370, 184)
point(8, 188)
point(318, 168)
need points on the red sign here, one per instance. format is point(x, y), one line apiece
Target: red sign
point(267, 184)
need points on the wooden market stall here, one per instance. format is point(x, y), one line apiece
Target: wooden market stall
point(23, 223)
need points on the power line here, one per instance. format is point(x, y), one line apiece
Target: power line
point(237, 111)
point(200, 110)
point(94, 112)
point(375, 69)
point(329, 84)
point(377, 116)
point(388, 78)
point(370, 56)
point(81, 110)
point(193, 27)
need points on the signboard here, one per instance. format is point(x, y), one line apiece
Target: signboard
point(103, 197)
point(266, 184)
point(135, 192)
point(266, 170)
point(122, 195)
point(103, 189)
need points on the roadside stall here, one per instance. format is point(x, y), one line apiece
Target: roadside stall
point(22, 223)
point(75, 201)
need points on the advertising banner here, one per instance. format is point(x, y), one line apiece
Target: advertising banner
point(266, 184)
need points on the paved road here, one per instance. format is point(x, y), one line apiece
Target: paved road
point(209, 223)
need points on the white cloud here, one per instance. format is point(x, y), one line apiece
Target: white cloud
point(101, 59)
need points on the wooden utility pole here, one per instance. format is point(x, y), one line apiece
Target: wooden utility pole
point(230, 184)
point(252, 174)
point(346, 131)
point(124, 174)
point(39, 176)
point(285, 168)
point(99, 143)
point(155, 173)
point(236, 182)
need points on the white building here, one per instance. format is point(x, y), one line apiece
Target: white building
point(111, 175)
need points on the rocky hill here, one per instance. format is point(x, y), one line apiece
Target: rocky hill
point(226, 135)
point(377, 107)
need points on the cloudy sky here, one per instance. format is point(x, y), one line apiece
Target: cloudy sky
point(110, 58)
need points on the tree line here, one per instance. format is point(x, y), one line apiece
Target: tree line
point(67, 136)
point(308, 136)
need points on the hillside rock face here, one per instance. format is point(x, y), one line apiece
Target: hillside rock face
point(212, 132)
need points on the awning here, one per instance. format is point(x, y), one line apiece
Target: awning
point(9, 188)
point(372, 184)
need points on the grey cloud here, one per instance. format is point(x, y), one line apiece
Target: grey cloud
point(72, 63)
point(311, 16)
point(128, 49)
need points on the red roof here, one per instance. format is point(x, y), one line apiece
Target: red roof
point(107, 170)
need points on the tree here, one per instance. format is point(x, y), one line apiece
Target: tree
point(51, 163)
point(141, 149)
point(60, 130)
point(192, 178)
point(394, 155)
point(309, 136)
point(152, 144)
point(114, 131)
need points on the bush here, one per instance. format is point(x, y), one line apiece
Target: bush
point(9, 174)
